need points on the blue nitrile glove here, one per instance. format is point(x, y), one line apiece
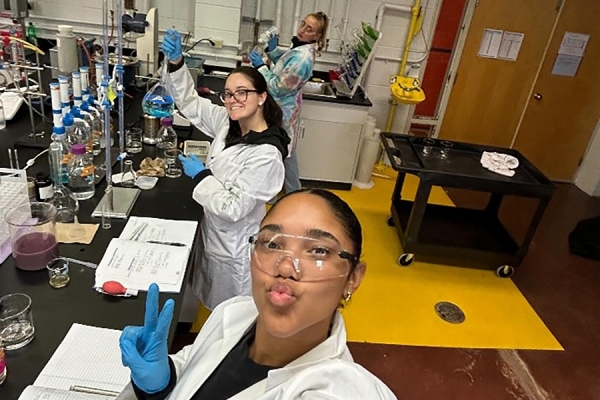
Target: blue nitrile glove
point(171, 45)
point(256, 59)
point(272, 43)
point(192, 166)
point(144, 348)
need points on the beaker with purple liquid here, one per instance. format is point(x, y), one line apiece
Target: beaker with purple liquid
point(32, 229)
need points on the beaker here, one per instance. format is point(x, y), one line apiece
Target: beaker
point(32, 228)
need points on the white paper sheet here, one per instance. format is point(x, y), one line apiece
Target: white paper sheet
point(135, 263)
point(87, 356)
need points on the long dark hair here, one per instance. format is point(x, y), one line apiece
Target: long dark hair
point(271, 111)
point(343, 213)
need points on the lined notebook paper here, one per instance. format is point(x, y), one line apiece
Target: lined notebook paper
point(87, 356)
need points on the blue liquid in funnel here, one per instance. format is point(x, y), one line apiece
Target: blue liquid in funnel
point(159, 106)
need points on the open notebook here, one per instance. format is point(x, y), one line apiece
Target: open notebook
point(89, 357)
point(149, 250)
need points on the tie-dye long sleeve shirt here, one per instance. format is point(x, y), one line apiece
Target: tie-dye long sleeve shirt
point(290, 70)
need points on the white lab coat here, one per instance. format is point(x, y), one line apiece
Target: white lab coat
point(325, 372)
point(244, 177)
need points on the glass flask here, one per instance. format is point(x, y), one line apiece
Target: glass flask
point(67, 205)
point(159, 101)
point(128, 178)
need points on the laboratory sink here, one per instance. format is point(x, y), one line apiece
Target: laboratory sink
point(320, 89)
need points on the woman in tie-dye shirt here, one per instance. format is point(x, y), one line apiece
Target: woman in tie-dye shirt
point(290, 70)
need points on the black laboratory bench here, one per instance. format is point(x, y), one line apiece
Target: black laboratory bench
point(55, 310)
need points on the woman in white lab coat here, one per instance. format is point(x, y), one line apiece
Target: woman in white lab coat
point(244, 170)
point(289, 340)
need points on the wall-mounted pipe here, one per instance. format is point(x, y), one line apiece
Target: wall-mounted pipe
point(346, 19)
point(415, 11)
point(278, 13)
point(330, 16)
point(297, 9)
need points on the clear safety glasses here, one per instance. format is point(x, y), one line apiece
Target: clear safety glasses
point(312, 259)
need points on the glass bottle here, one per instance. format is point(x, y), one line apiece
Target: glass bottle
point(167, 137)
point(128, 177)
point(93, 118)
point(59, 136)
point(62, 198)
point(81, 173)
point(2, 116)
point(2, 363)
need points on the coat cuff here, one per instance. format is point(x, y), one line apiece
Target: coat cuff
point(203, 174)
point(263, 68)
point(163, 394)
point(175, 67)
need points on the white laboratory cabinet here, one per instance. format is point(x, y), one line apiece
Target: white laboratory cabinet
point(329, 138)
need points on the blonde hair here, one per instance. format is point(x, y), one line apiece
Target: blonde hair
point(324, 22)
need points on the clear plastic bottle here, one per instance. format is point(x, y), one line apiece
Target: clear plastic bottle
point(167, 137)
point(2, 116)
point(81, 173)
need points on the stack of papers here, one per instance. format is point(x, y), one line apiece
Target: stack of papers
point(88, 357)
point(149, 250)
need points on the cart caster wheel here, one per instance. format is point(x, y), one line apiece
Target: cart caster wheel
point(390, 220)
point(406, 259)
point(505, 271)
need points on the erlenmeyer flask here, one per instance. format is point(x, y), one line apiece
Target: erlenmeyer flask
point(129, 176)
point(159, 102)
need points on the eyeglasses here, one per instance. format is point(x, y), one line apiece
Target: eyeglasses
point(240, 95)
point(313, 259)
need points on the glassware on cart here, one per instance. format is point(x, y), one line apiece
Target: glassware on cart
point(427, 146)
point(445, 149)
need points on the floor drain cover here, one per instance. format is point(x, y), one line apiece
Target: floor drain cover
point(450, 312)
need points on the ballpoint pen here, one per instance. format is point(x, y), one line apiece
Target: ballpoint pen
point(91, 390)
point(166, 243)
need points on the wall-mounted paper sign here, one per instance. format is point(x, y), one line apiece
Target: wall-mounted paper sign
point(510, 45)
point(490, 43)
point(574, 44)
point(566, 65)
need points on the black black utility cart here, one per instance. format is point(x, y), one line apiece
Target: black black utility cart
point(438, 233)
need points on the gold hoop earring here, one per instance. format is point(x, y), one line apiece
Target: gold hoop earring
point(348, 296)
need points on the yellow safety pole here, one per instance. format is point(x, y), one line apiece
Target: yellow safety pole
point(415, 11)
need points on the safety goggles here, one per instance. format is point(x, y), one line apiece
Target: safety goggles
point(311, 259)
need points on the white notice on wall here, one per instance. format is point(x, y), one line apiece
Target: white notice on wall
point(566, 65)
point(490, 43)
point(510, 45)
point(574, 44)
